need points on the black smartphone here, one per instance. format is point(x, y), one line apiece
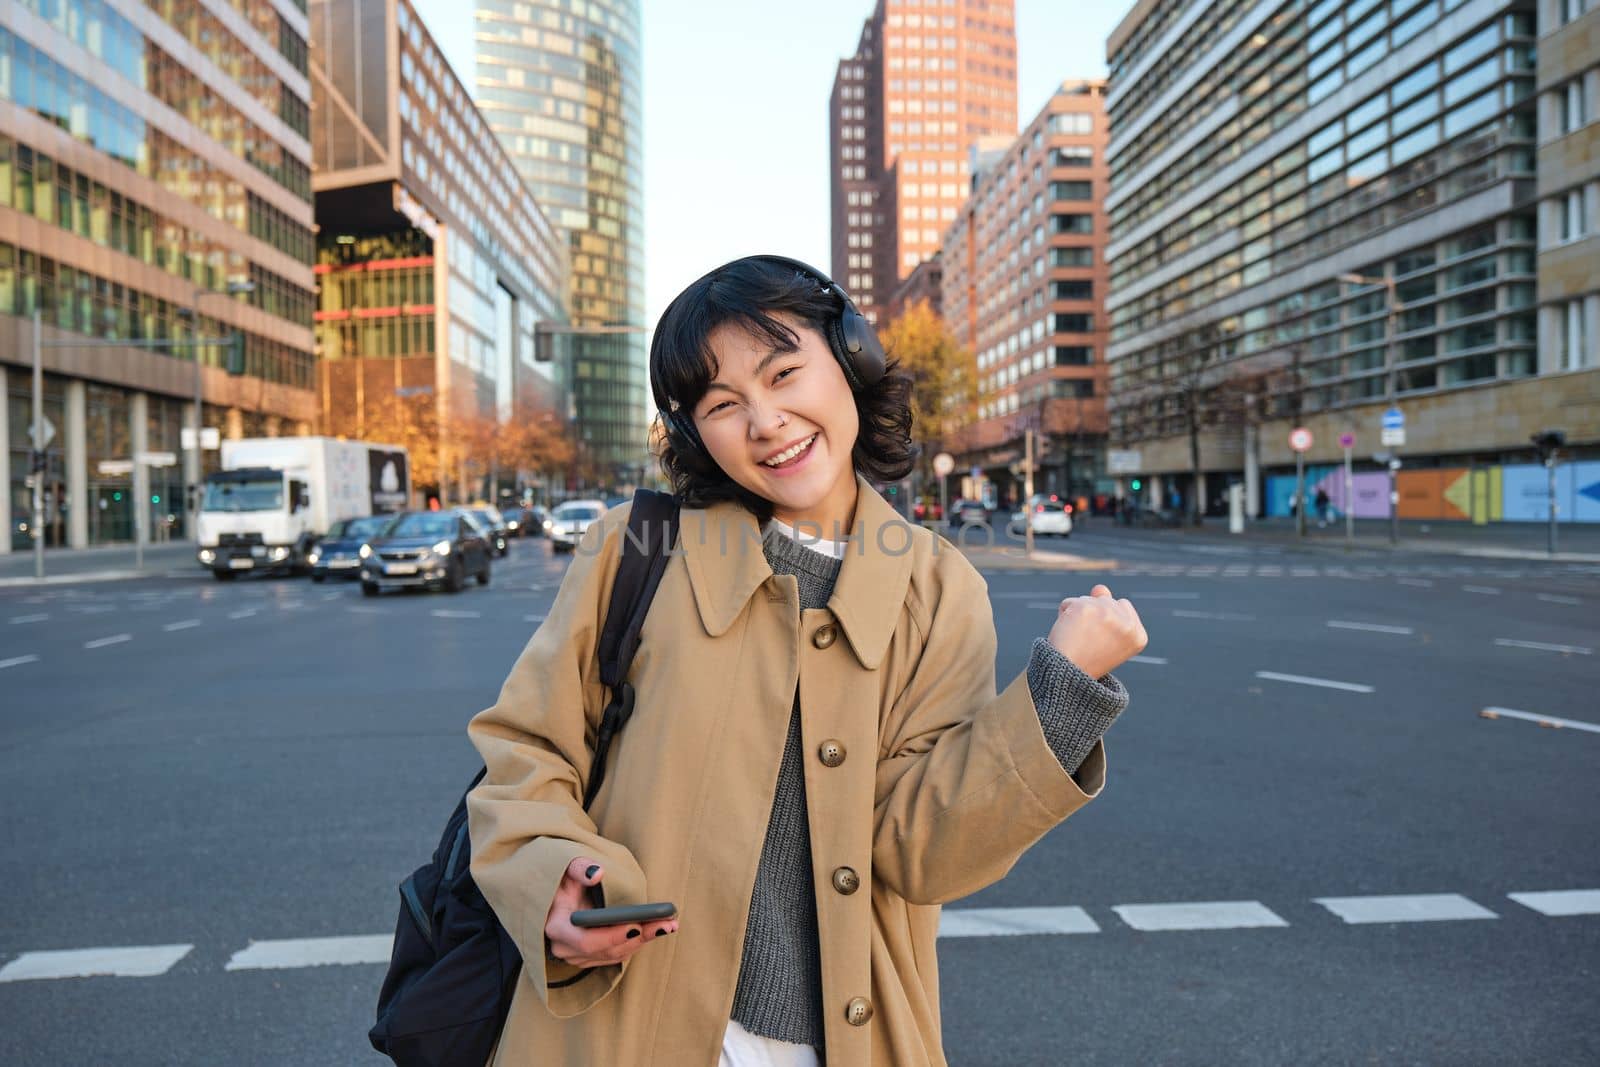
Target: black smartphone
point(636, 913)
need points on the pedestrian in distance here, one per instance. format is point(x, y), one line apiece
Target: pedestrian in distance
point(818, 758)
point(1323, 506)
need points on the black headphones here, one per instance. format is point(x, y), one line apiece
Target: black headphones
point(850, 336)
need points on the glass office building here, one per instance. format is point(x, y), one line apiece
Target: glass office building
point(1320, 211)
point(560, 85)
point(152, 155)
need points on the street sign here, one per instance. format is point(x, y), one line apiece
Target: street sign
point(1347, 440)
point(1394, 438)
point(1300, 439)
point(976, 473)
point(116, 466)
point(48, 435)
point(1394, 419)
point(159, 459)
point(943, 464)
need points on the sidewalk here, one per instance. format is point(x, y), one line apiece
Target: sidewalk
point(100, 564)
point(1575, 542)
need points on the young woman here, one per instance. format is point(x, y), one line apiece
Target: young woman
point(817, 759)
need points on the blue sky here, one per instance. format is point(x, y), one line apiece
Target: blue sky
point(736, 116)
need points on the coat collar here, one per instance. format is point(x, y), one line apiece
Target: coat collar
point(722, 548)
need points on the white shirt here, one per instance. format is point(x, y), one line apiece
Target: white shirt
point(741, 1048)
point(811, 538)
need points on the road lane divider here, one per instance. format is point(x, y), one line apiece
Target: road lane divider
point(1373, 627)
point(1220, 616)
point(1412, 908)
point(311, 952)
point(1550, 721)
point(184, 624)
point(1485, 590)
point(18, 620)
point(102, 642)
point(18, 661)
point(1556, 598)
point(1561, 902)
point(1010, 922)
point(1540, 646)
point(1199, 915)
point(1323, 683)
point(139, 961)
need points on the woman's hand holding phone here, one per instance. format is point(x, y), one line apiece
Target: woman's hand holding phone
point(599, 946)
point(1097, 633)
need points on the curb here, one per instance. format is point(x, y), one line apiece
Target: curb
point(86, 576)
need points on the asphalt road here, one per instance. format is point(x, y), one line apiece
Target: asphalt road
point(1306, 851)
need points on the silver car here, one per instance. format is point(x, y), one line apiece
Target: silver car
point(567, 523)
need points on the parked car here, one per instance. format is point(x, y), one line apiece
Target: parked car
point(966, 512)
point(491, 520)
point(927, 509)
point(337, 553)
point(436, 549)
point(568, 521)
point(1050, 518)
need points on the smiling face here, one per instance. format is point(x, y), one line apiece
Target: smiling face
point(782, 423)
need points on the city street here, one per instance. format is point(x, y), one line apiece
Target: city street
point(1318, 842)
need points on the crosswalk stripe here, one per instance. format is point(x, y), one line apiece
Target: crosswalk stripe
point(17, 661)
point(311, 952)
point(143, 961)
point(1199, 915)
point(1006, 922)
point(1561, 902)
point(1413, 908)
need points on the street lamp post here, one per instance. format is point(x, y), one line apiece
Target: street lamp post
point(1391, 321)
point(197, 454)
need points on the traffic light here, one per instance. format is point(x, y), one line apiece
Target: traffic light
point(1548, 442)
point(233, 355)
point(155, 498)
point(1137, 485)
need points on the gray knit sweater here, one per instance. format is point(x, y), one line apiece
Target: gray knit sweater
point(779, 994)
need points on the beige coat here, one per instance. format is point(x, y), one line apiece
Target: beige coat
point(943, 785)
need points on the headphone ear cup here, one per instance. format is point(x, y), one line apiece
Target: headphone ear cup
point(843, 354)
point(865, 351)
point(683, 427)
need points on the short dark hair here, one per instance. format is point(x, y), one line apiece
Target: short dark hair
point(748, 293)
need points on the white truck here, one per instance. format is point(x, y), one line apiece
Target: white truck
point(274, 496)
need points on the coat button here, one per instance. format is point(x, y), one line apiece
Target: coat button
point(831, 752)
point(858, 1011)
point(846, 880)
point(824, 635)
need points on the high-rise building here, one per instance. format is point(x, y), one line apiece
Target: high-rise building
point(927, 80)
point(155, 187)
point(1024, 289)
point(560, 85)
point(437, 270)
point(1325, 212)
point(1569, 183)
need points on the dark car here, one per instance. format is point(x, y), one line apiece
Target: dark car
point(522, 521)
point(338, 553)
point(495, 523)
point(433, 549)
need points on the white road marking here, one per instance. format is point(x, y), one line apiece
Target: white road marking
point(312, 952)
point(1154, 661)
point(1486, 590)
point(17, 661)
point(1416, 908)
point(1324, 683)
point(17, 620)
point(447, 613)
point(1207, 915)
point(1542, 720)
point(102, 642)
point(1540, 646)
point(1007, 922)
point(1374, 627)
point(1224, 616)
point(1548, 598)
point(1561, 902)
point(1164, 596)
point(186, 624)
point(242, 613)
point(1420, 583)
point(360, 610)
point(144, 961)
point(533, 618)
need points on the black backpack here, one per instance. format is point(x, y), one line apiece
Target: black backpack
point(453, 967)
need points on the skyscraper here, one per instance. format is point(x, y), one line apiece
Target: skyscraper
point(155, 187)
point(927, 80)
point(560, 86)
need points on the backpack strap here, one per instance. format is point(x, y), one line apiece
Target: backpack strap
point(646, 547)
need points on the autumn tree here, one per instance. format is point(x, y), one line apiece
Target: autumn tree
point(942, 372)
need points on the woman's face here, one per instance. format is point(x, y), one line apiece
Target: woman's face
point(783, 424)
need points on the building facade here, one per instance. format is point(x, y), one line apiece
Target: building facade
point(1569, 181)
point(153, 157)
point(927, 80)
point(1024, 288)
point(560, 86)
point(436, 268)
point(1320, 212)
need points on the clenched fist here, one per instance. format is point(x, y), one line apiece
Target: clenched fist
point(1098, 633)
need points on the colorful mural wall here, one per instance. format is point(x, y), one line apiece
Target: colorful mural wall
point(1460, 494)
